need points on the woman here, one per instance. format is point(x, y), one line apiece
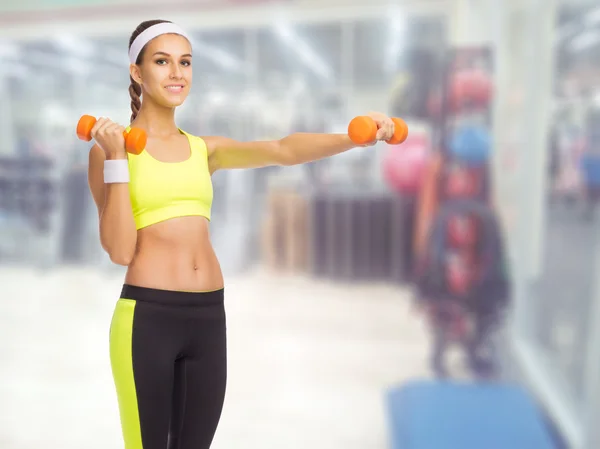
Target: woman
point(168, 332)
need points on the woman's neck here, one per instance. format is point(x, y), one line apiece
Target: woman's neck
point(156, 121)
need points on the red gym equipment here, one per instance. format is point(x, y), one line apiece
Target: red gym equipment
point(404, 168)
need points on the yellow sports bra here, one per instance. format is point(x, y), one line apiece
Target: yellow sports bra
point(163, 190)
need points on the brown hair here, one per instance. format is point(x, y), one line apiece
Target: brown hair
point(135, 90)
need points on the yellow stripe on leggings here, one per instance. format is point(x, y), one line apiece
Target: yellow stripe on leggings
point(121, 332)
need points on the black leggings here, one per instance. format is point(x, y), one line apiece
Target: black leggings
point(169, 362)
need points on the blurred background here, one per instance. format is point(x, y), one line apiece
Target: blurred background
point(334, 336)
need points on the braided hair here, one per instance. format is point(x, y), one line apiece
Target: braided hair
point(135, 90)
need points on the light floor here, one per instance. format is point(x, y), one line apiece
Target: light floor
point(309, 361)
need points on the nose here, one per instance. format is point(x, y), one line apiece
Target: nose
point(176, 72)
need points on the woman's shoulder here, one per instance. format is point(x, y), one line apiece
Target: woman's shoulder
point(203, 143)
point(208, 142)
point(194, 137)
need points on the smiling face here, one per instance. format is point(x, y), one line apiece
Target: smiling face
point(165, 70)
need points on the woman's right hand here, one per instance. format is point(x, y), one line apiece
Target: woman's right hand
point(109, 136)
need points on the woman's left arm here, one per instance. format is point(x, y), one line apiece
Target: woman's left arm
point(297, 148)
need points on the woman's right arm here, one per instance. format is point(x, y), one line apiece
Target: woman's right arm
point(118, 234)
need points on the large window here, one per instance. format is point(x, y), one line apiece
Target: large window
point(548, 173)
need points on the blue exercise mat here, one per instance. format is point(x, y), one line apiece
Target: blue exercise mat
point(449, 415)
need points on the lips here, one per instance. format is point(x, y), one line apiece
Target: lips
point(175, 88)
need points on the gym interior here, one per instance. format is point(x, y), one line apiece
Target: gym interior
point(344, 350)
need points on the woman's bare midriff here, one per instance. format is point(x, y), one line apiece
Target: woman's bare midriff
point(176, 254)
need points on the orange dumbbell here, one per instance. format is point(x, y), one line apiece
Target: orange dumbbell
point(363, 130)
point(135, 138)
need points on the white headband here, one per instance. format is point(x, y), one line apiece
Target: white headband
point(149, 34)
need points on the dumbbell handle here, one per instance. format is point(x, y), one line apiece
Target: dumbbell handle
point(135, 138)
point(363, 130)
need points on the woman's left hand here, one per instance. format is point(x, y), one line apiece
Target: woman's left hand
point(385, 126)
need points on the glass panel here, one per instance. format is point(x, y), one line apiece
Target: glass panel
point(563, 298)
